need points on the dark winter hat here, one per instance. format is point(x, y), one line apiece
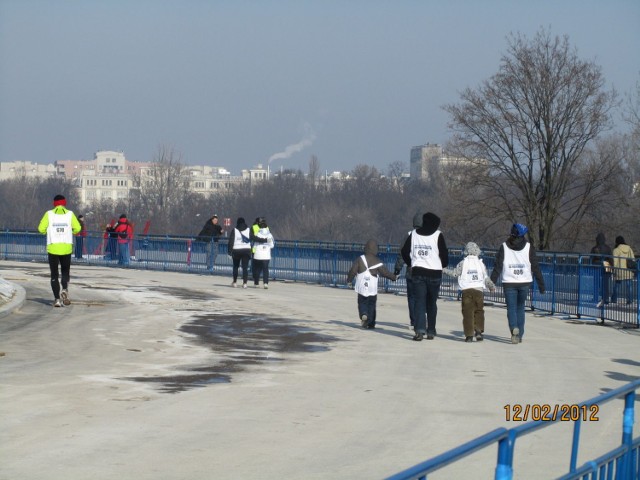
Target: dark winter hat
point(59, 200)
point(431, 220)
point(519, 230)
point(620, 240)
point(417, 220)
point(215, 216)
point(123, 216)
point(240, 221)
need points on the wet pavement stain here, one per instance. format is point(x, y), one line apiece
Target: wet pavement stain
point(242, 341)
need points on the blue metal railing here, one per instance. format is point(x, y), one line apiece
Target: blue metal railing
point(621, 463)
point(574, 285)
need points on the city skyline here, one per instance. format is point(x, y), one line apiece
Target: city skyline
point(235, 85)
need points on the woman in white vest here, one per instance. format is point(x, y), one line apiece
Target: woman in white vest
point(239, 248)
point(263, 243)
point(516, 265)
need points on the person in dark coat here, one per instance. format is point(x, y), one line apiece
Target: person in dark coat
point(239, 248)
point(210, 234)
point(411, 296)
point(427, 253)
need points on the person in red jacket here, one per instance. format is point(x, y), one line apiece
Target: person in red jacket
point(124, 232)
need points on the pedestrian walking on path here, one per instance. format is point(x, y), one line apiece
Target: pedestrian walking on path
point(59, 225)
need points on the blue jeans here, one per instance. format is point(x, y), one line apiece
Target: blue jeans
point(212, 253)
point(123, 253)
point(425, 311)
point(516, 298)
point(626, 285)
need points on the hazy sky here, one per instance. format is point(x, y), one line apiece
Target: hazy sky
point(236, 83)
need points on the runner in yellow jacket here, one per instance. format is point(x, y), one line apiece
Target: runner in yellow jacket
point(60, 225)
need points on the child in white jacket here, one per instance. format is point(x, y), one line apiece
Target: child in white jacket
point(472, 279)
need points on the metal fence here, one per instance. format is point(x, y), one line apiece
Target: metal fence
point(621, 463)
point(574, 285)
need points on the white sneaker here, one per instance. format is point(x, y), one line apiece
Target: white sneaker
point(234, 285)
point(64, 295)
point(266, 286)
point(515, 335)
point(244, 285)
point(57, 303)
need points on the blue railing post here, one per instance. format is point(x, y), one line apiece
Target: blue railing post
point(575, 445)
point(504, 467)
point(627, 460)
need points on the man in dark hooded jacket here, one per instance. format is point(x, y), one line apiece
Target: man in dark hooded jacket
point(210, 234)
point(411, 296)
point(426, 251)
point(603, 256)
point(366, 269)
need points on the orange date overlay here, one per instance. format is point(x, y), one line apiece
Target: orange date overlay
point(550, 413)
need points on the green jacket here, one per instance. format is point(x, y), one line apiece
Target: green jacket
point(61, 248)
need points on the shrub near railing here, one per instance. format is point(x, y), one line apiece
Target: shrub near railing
point(572, 281)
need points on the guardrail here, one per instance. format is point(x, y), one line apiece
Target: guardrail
point(573, 284)
point(620, 463)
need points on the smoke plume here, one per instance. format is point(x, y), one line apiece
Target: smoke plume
point(308, 139)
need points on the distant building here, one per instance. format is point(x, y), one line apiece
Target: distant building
point(110, 176)
point(18, 169)
point(422, 159)
point(426, 160)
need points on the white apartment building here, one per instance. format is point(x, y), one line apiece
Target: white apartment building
point(9, 170)
point(111, 176)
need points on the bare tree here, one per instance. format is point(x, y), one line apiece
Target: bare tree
point(528, 126)
point(160, 191)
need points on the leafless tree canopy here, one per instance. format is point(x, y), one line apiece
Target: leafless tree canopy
point(529, 126)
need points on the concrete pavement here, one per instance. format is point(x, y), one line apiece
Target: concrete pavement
point(161, 375)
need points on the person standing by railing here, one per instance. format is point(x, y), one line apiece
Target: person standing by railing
point(124, 232)
point(80, 238)
point(603, 257)
point(210, 234)
point(516, 265)
point(59, 224)
point(621, 272)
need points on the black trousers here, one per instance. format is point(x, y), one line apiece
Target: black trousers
point(243, 258)
point(260, 267)
point(65, 265)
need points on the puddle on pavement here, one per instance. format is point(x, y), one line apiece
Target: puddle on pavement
point(239, 342)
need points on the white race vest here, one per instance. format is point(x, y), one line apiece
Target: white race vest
point(239, 242)
point(473, 273)
point(424, 251)
point(516, 267)
point(263, 250)
point(367, 284)
point(59, 229)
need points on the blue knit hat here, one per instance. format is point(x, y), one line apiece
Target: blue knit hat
point(519, 230)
